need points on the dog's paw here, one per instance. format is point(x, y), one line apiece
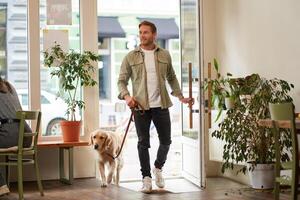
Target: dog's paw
point(109, 179)
point(117, 184)
point(103, 184)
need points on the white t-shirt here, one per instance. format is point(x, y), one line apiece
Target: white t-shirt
point(152, 80)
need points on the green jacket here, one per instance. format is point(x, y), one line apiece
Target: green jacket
point(133, 67)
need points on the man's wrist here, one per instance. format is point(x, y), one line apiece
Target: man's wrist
point(180, 97)
point(126, 96)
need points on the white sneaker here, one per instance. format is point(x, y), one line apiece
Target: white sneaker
point(147, 185)
point(4, 190)
point(159, 180)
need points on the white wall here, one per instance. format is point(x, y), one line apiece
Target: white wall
point(260, 37)
point(212, 168)
point(253, 37)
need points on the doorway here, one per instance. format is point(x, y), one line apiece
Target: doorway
point(184, 156)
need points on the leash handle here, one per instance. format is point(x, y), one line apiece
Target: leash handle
point(136, 107)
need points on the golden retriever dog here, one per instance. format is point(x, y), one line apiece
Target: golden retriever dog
point(108, 144)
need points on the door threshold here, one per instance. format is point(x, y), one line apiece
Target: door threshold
point(173, 185)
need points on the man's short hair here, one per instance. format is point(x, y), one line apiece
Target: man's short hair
point(147, 23)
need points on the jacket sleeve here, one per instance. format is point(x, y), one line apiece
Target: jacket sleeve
point(172, 79)
point(124, 75)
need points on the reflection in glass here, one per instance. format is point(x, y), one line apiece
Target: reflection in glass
point(190, 54)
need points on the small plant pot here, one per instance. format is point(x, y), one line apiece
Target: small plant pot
point(70, 130)
point(229, 102)
point(262, 176)
point(279, 111)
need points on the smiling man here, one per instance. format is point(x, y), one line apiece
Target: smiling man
point(149, 67)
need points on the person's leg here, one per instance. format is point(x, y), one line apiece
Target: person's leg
point(2, 181)
point(9, 135)
point(162, 122)
point(3, 187)
point(8, 138)
point(142, 124)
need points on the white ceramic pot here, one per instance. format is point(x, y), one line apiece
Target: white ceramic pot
point(262, 176)
point(229, 102)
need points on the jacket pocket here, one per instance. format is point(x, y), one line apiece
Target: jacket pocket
point(163, 67)
point(137, 69)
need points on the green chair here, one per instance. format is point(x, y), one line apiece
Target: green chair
point(14, 156)
point(283, 116)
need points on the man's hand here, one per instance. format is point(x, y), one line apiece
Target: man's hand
point(187, 100)
point(130, 101)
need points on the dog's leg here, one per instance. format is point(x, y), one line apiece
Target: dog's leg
point(114, 178)
point(120, 163)
point(102, 174)
point(117, 177)
point(111, 171)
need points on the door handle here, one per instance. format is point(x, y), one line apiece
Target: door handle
point(190, 96)
point(195, 110)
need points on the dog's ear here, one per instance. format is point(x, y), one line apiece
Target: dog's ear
point(108, 142)
point(91, 139)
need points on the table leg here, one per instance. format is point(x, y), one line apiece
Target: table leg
point(62, 176)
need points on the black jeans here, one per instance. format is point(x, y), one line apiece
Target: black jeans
point(2, 181)
point(162, 122)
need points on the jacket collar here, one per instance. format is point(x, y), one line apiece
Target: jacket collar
point(138, 48)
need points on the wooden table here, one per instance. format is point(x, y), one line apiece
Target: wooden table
point(63, 146)
point(282, 123)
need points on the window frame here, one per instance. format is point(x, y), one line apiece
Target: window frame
point(88, 41)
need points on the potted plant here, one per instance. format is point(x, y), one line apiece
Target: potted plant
point(247, 87)
point(224, 90)
point(73, 70)
point(231, 91)
point(245, 140)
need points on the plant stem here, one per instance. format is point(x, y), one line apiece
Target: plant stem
point(70, 97)
point(73, 111)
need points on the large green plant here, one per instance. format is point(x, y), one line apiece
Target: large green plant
point(74, 71)
point(245, 140)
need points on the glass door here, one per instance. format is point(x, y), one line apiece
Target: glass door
point(190, 73)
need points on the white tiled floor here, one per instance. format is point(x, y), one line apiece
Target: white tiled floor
point(172, 185)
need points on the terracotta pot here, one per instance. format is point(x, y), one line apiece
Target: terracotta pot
point(70, 130)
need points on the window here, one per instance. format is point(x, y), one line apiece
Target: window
point(104, 77)
point(44, 100)
point(3, 50)
point(24, 100)
point(53, 107)
point(13, 46)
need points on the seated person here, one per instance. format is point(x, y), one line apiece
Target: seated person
point(9, 130)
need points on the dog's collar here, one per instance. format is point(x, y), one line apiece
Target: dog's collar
point(109, 155)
